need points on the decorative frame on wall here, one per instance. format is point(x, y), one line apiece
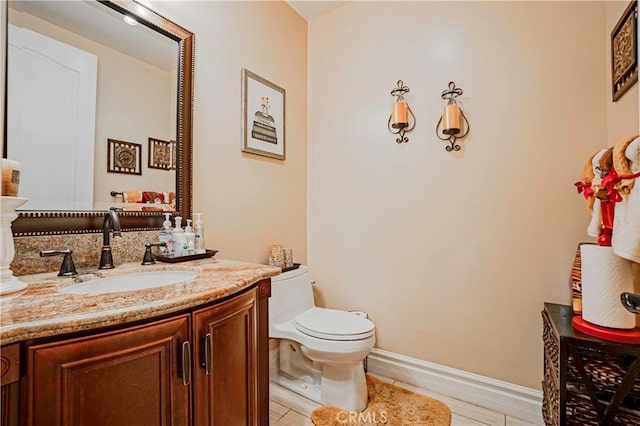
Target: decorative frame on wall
point(160, 154)
point(624, 52)
point(263, 116)
point(174, 154)
point(124, 157)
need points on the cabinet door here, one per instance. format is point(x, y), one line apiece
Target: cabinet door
point(9, 376)
point(130, 376)
point(225, 348)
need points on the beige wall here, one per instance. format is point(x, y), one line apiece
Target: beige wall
point(133, 103)
point(453, 255)
point(248, 202)
point(622, 115)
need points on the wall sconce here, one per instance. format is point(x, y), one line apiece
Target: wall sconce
point(402, 119)
point(454, 123)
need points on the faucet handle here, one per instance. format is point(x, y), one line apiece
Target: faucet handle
point(68, 268)
point(148, 254)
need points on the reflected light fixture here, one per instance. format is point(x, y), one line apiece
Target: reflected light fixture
point(401, 119)
point(454, 123)
point(129, 20)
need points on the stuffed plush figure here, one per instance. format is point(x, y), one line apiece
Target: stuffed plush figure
point(606, 177)
point(588, 186)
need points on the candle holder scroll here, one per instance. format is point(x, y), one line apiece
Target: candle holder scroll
point(455, 123)
point(401, 120)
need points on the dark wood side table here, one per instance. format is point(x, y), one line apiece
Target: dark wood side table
point(587, 381)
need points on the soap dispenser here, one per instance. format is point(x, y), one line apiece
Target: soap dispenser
point(189, 236)
point(199, 234)
point(166, 234)
point(179, 239)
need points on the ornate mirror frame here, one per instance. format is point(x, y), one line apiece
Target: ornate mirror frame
point(31, 223)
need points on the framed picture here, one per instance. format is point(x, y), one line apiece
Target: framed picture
point(160, 156)
point(124, 157)
point(624, 52)
point(174, 155)
point(263, 116)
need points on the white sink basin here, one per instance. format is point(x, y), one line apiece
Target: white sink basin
point(130, 282)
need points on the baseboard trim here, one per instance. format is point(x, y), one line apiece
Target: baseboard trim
point(517, 401)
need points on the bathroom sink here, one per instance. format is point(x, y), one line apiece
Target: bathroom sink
point(130, 282)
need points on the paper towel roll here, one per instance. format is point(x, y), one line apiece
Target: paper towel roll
point(604, 277)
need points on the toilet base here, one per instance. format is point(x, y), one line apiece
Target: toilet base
point(344, 386)
point(341, 385)
point(308, 390)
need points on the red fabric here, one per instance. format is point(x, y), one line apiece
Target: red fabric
point(152, 196)
point(584, 187)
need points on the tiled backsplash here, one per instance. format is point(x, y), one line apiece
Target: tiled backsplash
point(86, 250)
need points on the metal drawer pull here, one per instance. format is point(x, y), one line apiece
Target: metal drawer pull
point(186, 363)
point(207, 354)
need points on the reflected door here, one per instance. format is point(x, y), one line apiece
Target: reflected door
point(51, 113)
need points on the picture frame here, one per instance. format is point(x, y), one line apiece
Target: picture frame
point(624, 52)
point(124, 157)
point(174, 154)
point(160, 154)
point(263, 116)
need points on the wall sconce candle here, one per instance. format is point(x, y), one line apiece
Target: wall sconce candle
point(453, 119)
point(402, 119)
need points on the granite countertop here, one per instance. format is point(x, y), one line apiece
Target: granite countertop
point(41, 311)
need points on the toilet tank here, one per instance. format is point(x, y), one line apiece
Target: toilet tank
point(291, 294)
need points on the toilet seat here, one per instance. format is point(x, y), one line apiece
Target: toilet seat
point(332, 324)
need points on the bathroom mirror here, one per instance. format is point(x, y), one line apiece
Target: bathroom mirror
point(142, 134)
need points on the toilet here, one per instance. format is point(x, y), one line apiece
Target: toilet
point(321, 350)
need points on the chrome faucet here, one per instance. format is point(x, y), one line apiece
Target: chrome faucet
point(111, 220)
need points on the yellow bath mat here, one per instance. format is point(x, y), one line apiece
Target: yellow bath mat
point(388, 405)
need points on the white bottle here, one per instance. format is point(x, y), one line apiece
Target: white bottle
point(199, 234)
point(189, 236)
point(166, 235)
point(179, 240)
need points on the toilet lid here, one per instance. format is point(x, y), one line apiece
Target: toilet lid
point(332, 324)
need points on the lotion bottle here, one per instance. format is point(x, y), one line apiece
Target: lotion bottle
point(199, 234)
point(179, 239)
point(166, 234)
point(189, 236)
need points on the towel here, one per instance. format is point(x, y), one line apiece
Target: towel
point(131, 196)
point(626, 225)
point(622, 164)
point(152, 197)
point(148, 197)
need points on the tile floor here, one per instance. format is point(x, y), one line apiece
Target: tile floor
point(290, 409)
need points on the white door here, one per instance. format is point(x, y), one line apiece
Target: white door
point(51, 98)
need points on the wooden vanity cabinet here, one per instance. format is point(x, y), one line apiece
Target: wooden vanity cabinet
point(208, 366)
point(225, 347)
point(124, 377)
point(9, 380)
